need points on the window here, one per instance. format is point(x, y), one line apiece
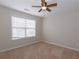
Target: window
point(23, 28)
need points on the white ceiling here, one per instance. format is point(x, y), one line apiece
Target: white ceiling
point(63, 6)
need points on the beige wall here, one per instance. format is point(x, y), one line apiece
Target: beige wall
point(5, 28)
point(62, 29)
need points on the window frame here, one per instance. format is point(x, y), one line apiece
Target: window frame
point(25, 28)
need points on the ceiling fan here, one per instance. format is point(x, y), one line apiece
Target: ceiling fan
point(44, 6)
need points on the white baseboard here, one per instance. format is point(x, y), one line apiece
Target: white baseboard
point(33, 42)
point(29, 43)
point(60, 45)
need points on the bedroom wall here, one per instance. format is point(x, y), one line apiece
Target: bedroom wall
point(6, 41)
point(62, 30)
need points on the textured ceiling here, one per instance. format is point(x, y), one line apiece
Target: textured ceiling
point(63, 6)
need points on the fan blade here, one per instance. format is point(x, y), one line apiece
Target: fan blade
point(48, 9)
point(40, 10)
point(52, 5)
point(36, 6)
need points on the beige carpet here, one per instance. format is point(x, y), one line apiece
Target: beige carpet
point(40, 51)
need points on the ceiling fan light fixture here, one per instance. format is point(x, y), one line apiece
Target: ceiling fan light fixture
point(44, 8)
